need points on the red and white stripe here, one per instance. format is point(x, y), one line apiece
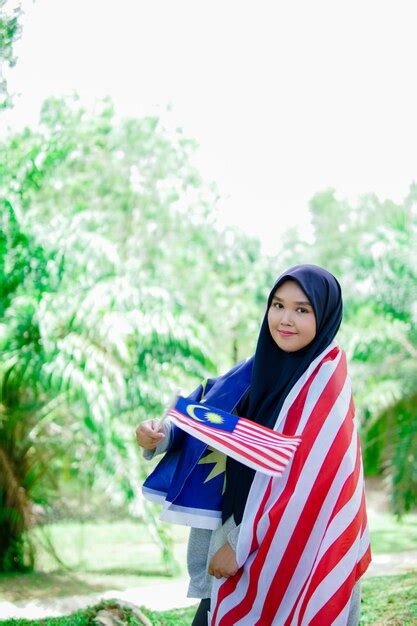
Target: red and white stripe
point(304, 542)
point(261, 448)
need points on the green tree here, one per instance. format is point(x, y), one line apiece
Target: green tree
point(23, 279)
point(140, 292)
point(370, 247)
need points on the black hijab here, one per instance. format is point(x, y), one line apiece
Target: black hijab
point(275, 371)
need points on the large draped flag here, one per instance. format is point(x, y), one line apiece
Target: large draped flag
point(257, 446)
point(303, 541)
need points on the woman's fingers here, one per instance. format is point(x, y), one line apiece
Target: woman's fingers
point(223, 563)
point(217, 573)
point(149, 434)
point(153, 429)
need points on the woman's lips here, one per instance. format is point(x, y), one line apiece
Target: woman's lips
point(285, 333)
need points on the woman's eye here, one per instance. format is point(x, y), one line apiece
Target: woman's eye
point(301, 310)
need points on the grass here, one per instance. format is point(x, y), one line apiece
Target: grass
point(101, 546)
point(389, 600)
point(100, 556)
point(386, 600)
point(124, 615)
point(388, 534)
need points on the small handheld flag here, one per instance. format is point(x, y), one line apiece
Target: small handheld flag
point(261, 448)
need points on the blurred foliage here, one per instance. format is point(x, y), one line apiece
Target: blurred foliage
point(371, 248)
point(23, 401)
point(10, 29)
point(117, 287)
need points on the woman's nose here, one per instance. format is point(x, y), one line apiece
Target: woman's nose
point(286, 317)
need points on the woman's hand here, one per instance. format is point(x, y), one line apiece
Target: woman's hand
point(149, 434)
point(223, 563)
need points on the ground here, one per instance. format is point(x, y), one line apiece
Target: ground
point(118, 560)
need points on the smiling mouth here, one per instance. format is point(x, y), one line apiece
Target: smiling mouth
point(285, 333)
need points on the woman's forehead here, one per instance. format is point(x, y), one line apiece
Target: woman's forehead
point(290, 290)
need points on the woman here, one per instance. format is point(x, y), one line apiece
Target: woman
point(290, 550)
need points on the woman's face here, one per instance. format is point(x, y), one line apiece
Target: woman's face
point(291, 318)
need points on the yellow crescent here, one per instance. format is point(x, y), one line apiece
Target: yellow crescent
point(190, 410)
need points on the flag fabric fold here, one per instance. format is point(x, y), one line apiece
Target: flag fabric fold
point(189, 479)
point(254, 445)
point(304, 540)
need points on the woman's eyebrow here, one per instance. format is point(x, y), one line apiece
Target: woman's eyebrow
point(303, 302)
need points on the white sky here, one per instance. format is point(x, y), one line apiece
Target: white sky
point(285, 98)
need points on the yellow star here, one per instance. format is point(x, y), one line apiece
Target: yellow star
point(219, 461)
point(214, 418)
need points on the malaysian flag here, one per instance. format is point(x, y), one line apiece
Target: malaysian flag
point(257, 446)
point(304, 542)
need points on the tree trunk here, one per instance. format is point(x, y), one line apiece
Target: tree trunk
point(15, 555)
